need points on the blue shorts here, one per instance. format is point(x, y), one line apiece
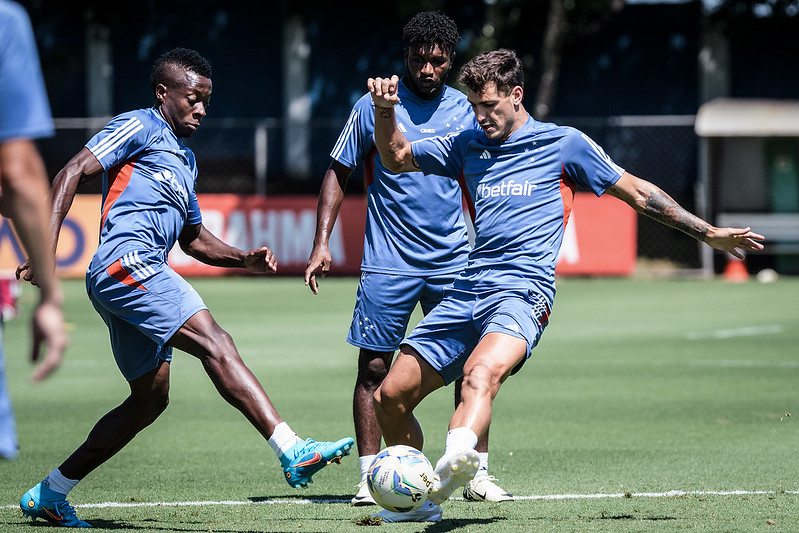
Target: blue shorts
point(447, 336)
point(384, 304)
point(143, 302)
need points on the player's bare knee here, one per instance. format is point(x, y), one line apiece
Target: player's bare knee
point(388, 403)
point(373, 368)
point(160, 402)
point(157, 401)
point(220, 349)
point(480, 379)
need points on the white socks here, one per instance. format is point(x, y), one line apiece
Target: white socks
point(365, 461)
point(58, 483)
point(460, 439)
point(282, 439)
point(483, 469)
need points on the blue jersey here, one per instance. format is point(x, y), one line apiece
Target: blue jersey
point(24, 110)
point(148, 187)
point(523, 190)
point(414, 223)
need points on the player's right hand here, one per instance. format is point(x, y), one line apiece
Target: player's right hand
point(318, 263)
point(384, 91)
point(48, 328)
point(25, 271)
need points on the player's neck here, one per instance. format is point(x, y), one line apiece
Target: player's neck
point(519, 120)
point(164, 117)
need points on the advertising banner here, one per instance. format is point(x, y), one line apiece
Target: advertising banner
point(600, 237)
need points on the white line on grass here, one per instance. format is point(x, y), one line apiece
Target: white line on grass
point(744, 363)
point(667, 494)
point(748, 331)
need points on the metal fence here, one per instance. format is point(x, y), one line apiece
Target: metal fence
point(247, 156)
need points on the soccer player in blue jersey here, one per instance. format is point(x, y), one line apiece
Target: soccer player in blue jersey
point(25, 116)
point(416, 240)
point(522, 175)
point(149, 204)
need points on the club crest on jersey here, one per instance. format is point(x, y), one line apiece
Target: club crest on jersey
point(166, 176)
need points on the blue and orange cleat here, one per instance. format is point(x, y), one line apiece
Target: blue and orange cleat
point(308, 457)
point(43, 502)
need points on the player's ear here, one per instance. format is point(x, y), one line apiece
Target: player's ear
point(517, 93)
point(160, 93)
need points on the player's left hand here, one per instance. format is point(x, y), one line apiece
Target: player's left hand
point(260, 261)
point(732, 239)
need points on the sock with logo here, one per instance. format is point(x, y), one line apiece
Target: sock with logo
point(483, 469)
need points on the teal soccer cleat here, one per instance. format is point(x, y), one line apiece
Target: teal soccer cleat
point(43, 502)
point(309, 457)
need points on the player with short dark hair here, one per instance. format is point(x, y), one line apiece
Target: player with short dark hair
point(522, 175)
point(148, 204)
point(164, 68)
point(416, 240)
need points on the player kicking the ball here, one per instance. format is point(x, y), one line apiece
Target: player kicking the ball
point(522, 175)
point(149, 203)
point(416, 240)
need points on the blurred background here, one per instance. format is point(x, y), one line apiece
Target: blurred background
point(635, 75)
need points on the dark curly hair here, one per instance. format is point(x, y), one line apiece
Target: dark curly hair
point(179, 58)
point(431, 27)
point(502, 67)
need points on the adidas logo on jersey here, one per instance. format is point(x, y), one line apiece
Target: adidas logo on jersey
point(485, 155)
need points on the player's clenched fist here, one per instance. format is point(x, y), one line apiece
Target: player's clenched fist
point(384, 91)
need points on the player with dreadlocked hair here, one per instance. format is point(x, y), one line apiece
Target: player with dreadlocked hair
point(416, 240)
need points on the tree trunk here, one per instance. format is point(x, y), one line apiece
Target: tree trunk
point(550, 60)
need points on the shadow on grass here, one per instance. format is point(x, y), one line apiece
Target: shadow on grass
point(603, 516)
point(151, 524)
point(451, 524)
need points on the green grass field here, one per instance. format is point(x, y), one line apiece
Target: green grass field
point(638, 388)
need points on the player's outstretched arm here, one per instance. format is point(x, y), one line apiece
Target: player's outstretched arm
point(330, 198)
point(648, 199)
point(199, 243)
point(394, 148)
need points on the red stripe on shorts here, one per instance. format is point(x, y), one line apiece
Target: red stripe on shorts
point(118, 272)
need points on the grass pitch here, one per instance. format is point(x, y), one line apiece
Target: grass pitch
point(648, 406)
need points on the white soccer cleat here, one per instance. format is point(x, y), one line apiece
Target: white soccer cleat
point(482, 488)
point(453, 471)
point(363, 497)
point(428, 512)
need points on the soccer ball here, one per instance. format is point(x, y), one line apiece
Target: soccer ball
point(400, 478)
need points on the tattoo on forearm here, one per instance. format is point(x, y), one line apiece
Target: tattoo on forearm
point(385, 113)
point(662, 208)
